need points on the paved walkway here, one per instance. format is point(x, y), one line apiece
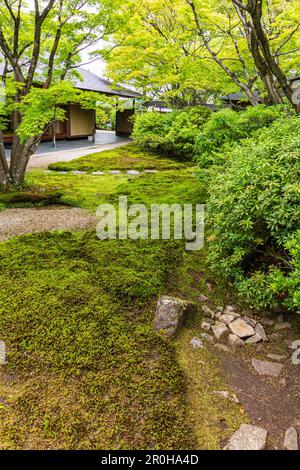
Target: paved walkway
point(14, 222)
point(68, 150)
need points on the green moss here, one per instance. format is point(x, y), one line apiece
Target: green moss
point(124, 158)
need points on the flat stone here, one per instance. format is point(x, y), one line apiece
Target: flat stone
point(260, 331)
point(240, 328)
point(222, 347)
point(272, 369)
point(197, 343)
point(203, 298)
point(133, 172)
point(277, 357)
point(227, 318)
point(235, 341)
point(248, 437)
point(206, 324)
point(227, 395)
point(230, 309)
point(254, 339)
point(282, 326)
point(77, 172)
point(150, 171)
point(115, 172)
point(98, 173)
point(267, 321)
point(2, 353)
point(291, 439)
point(208, 311)
point(207, 337)
point(219, 330)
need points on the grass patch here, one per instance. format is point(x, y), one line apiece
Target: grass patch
point(124, 158)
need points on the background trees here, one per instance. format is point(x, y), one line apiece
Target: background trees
point(40, 44)
point(176, 46)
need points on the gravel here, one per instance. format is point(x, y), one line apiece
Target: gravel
point(15, 222)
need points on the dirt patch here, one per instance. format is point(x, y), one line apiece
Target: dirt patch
point(15, 222)
point(272, 403)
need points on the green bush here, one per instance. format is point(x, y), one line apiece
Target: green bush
point(226, 128)
point(171, 134)
point(254, 216)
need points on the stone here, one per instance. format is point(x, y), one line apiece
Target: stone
point(248, 437)
point(150, 171)
point(267, 321)
point(277, 357)
point(227, 395)
point(260, 331)
point(272, 369)
point(76, 172)
point(219, 330)
point(206, 324)
point(291, 439)
point(208, 311)
point(133, 172)
point(98, 173)
point(169, 314)
point(227, 318)
point(240, 328)
point(222, 347)
point(203, 298)
point(250, 321)
point(115, 172)
point(274, 337)
point(254, 339)
point(235, 341)
point(2, 353)
point(207, 337)
point(230, 309)
point(197, 343)
point(282, 326)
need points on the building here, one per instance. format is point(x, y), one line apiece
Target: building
point(81, 123)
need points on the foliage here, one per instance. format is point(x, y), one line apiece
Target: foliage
point(226, 128)
point(170, 133)
point(254, 213)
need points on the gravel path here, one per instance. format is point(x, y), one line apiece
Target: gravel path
point(15, 222)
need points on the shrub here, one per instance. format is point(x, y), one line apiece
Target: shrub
point(171, 134)
point(254, 213)
point(226, 128)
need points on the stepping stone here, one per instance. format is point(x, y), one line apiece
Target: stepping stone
point(2, 353)
point(150, 171)
point(282, 326)
point(115, 172)
point(133, 172)
point(197, 343)
point(79, 172)
point(272, 369)
point(98, 173)
point(219, 329)
point(291, 439)
point(241, 328)
point(248, 437)
point(235, 341)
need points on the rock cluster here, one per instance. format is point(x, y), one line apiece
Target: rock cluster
point(229, 325)
point(170, 313)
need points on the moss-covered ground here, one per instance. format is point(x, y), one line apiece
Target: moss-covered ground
point(85, 369)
